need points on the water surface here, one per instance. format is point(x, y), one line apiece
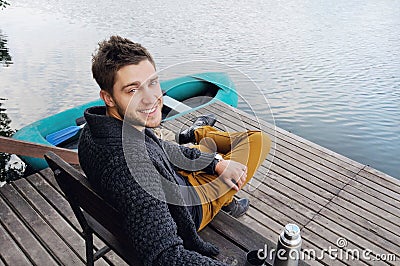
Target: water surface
point(329, 69)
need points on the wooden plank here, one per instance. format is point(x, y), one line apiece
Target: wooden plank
point(61, 205)
point(391, 179)
point(383, 180)
point(24, 237)
point(326, 226)
point(259, 227)
point(264, 219)
point(368, 206)
point(372, 225)
point(272, 214)
point(313, 242)
point(31, 149)
point(240, 234)
point(55, 199)
point(372, 238)
point(52, 218)
point(113, 258)
point(375, 201)
point(281, 201)
point(308, 174)
point(294, 186)
point(328, 239)
point(245, 236)
point(371, 217)
point(272, 237)
point(376, 191)
point(331, 177)
point(9, 250)
point(287, 192)
point(40, 228)
point(229, 253)
point(265, 202)
point(314, 246)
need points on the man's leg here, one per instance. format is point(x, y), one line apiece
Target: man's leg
point(249, 148)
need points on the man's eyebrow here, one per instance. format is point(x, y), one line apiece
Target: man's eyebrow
point(134, 83)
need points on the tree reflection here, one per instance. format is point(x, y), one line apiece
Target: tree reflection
point(3, 4)
point(5, 57)
point(8, 170)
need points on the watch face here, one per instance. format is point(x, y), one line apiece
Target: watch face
point(218, 157)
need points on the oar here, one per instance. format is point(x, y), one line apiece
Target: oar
point(63, 134)
point(31, 149)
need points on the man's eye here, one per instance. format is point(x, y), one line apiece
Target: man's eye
point(154, 82)
point(132, 90)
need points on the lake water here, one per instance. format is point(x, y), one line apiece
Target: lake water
point(330, 70)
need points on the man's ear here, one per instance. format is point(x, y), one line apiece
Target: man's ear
point(107, 98)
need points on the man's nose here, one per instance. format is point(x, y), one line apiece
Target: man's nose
point(149, 96)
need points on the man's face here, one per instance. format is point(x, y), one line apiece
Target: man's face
point(137, 95)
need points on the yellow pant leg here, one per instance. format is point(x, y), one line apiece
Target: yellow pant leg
point(249, 148)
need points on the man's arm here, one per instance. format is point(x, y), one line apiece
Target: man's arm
point(189, 159)
point(232, 173)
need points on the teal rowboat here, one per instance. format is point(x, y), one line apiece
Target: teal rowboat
point(183, 95)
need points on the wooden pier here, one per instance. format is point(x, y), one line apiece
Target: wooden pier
point(337, 202)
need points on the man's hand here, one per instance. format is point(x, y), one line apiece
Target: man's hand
point(232, 173)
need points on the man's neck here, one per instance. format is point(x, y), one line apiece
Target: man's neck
point(113, 112)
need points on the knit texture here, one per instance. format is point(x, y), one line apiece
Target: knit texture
point(138, 184)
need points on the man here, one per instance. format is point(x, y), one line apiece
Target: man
point(139, 174)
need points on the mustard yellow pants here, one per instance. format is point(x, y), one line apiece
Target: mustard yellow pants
point(249, 148)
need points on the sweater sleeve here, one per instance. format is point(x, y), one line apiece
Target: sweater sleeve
point(148, 221)
point(189, 159)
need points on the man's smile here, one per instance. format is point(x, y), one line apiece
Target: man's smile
point(148, 111)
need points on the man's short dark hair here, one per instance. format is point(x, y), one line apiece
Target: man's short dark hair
point(114, 54)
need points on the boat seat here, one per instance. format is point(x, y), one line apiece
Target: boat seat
point(175, 104)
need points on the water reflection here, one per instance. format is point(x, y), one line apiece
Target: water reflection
point(10, 167)
point(5, 57)
point(3, 4)
point(330, 72)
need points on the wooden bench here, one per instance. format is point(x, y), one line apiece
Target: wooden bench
point(98, 217)
point(93, 213)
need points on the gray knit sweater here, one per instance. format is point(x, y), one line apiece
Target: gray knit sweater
point(162, 233)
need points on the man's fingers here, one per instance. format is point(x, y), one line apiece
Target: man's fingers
point(233, 184)
point(243, 176)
